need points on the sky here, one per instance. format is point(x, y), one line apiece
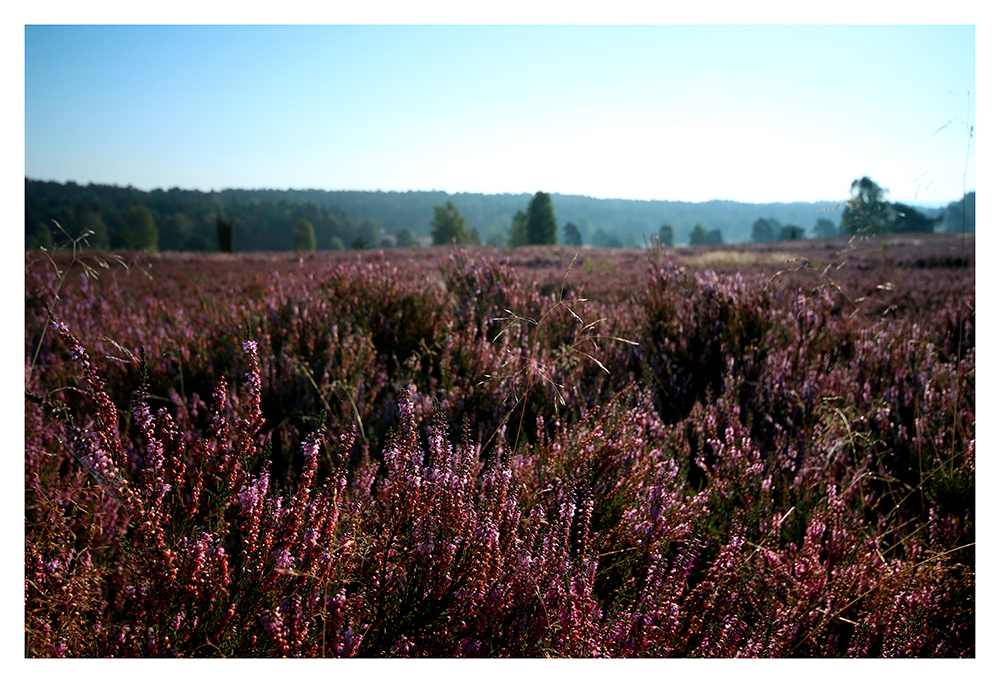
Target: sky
point(752, 113)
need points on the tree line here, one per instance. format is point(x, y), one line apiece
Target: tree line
point(113, 217)
point(869, 212)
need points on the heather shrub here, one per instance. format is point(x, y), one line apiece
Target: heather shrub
point(204, 560)
point(694, 326)
point(259, 457)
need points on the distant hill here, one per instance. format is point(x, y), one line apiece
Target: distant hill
point(492, 213)
point(951, 216)
point(263, 218)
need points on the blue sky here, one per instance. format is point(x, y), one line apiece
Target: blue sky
point(692, 113)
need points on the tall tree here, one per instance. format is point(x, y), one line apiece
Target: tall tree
point(519, 229)
point(764, 230)
point(666, 235)
point(448, 224)
point(571, 235)
point(714, 236)
point(541, 220)
point(227, 237)
point(867, 210)
point(698, 235)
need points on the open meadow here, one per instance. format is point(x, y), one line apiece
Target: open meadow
point(760, 450)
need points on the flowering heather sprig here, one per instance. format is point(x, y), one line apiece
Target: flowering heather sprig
point(98, 451)
point(221, 429)
point(294, 519)
point(254, 419)
point(251, 499)
point(155, 475)
point(106, 413)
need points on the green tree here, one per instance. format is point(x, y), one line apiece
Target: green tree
point(519, 229)
point(571, 235)
point(366, 235)
point(824, 228)
point(714, 237)
point(764, 230)
point(542, 225)
point(666, 235)
point(698, 235)
point(791, 232)
point(867, 210)
point(227, 235)
point(304, 235)
point(448, 224)
point(140, 231)
point(910, 219)
point(961, 215)
point(336, 243)
point(405, 238)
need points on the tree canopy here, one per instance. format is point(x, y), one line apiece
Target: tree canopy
point(961, 215)
point(448, 224)
point(698, 235)
point(405, 238)
point(571, 235)
point(519, 229)
point(541, 224)
point(910, 219)
point(791, 232)
point(764, 230)
point(824, 228)
point(226, 234)
point(867, 210)
point(666, 235)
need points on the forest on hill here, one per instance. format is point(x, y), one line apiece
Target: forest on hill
point(265, 219)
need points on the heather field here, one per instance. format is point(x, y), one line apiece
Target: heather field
point(748, 451)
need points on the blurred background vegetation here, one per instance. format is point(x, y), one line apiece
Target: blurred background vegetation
point(281, 220)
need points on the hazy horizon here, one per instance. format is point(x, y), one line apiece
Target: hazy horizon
point(919, 202)
point(754, 114)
